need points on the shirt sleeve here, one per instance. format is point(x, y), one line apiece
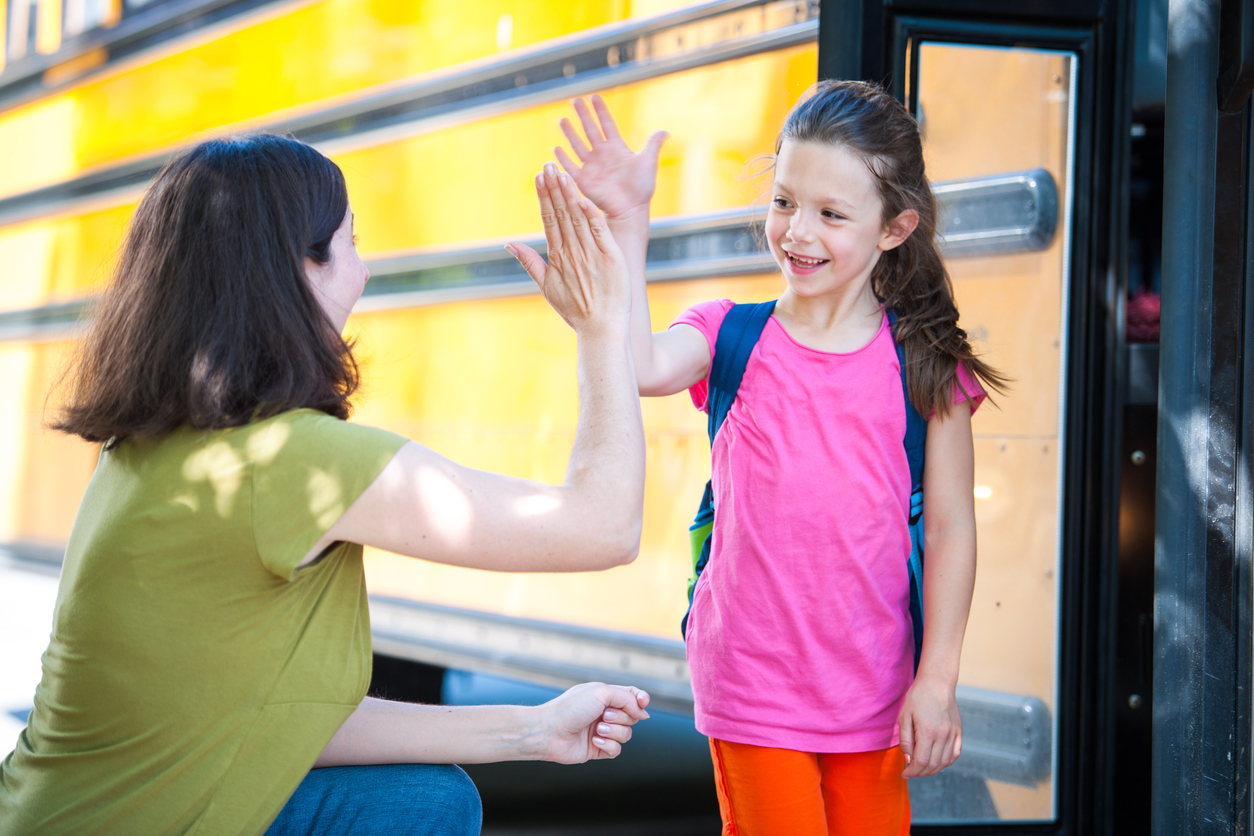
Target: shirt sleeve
point(706, 317)
point(308, 467)
point(967, 388)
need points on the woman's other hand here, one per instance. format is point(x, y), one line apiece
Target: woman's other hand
point(590, 722)
point(585, 279)
point(619, 182)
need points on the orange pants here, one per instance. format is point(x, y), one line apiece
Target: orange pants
point(764, 792)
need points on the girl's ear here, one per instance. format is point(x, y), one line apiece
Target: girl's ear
point(899, 229)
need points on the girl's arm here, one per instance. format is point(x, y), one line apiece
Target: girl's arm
point(588, 722)
point(621, 184)
point(931, 730)
point(424, 505)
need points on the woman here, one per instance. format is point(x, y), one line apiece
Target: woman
point(211, 641)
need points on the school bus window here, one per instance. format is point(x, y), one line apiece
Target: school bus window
point(1019, 118)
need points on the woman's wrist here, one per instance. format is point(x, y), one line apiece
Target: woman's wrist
point(536, 733)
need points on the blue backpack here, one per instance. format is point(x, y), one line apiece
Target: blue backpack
point(738, 335)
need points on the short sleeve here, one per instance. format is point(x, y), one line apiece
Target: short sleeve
point(706, 317)
point(967, 388)
point(307, 468)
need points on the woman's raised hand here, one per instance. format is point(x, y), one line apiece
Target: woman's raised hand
point(615, 179)
point(585, 279)
point(590, 722)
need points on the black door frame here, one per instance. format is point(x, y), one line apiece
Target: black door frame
point(868, 39)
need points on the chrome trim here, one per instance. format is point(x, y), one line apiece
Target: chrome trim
point(710, 245)
point(1007, 212)
point(1006, 737)
point(55, 321)
point(543, 652)
point(441, 99)
point(20, 79)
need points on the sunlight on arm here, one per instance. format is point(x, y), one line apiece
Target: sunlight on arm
point(535, 505)
point(447, 507)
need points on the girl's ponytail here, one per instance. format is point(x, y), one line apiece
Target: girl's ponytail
point(911, 278)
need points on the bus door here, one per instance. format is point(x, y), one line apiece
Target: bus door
point(1019, 106)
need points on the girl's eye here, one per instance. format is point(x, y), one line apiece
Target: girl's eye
point(780, 203)
point(833, 216)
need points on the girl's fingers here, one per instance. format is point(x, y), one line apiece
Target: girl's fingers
point(906, 723)
point(608, 126)
point(565, 160)
point(577, 144)
point(530, 261)
point(589, 122)
point(653, 147)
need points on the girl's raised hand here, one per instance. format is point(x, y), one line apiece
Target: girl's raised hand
point(585, 279)
point(618, 181)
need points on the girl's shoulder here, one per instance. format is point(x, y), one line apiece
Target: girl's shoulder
point(706, 317)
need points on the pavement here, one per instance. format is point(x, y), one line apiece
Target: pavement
point(27, 596)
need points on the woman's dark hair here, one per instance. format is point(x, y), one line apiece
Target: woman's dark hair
point(910, 278)
point(209, 320)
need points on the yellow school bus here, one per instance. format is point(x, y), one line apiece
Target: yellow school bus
point(439, 114)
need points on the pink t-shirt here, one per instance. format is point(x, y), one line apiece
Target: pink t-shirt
point(800, 634)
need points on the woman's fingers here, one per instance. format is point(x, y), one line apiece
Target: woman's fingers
point(577, 144)
point(561, 207)
point(548, 216)
point(581, 213)
point(608, 126)
point(624, 704)
point(530, 261)
point(590, 127)
point(614, 731)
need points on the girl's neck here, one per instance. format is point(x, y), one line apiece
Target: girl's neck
point(837, 322)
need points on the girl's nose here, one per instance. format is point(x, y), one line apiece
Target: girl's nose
point(798, 229)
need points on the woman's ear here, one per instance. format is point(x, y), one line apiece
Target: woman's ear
point(899, 229)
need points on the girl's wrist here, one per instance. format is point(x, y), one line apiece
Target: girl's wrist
point(632, 215)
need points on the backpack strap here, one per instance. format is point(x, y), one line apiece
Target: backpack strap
point(739, 333)
point(915, 443)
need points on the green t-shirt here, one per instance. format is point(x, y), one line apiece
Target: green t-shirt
point(194, 673)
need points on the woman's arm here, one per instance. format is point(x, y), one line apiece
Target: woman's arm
point(588, 722)
point(424, 505)
point(621, 184)
point(931, 729)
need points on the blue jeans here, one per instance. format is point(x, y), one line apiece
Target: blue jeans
point(391, 799)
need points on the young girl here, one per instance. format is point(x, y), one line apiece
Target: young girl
point(800, 639)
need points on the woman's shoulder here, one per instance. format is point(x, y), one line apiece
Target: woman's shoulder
point(316, 433)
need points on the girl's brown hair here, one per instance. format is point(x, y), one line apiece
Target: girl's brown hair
point(910, 278)
point(209, 321)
